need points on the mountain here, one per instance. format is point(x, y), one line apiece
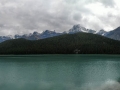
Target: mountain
point(114, 34)
point(32, 36)
point(79, 28)
point(4, 38)
point(83, 43)
point(48, 33)
point(101, 32)
point(36, 35)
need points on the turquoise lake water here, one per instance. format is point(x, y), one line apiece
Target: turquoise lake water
point(59, 72)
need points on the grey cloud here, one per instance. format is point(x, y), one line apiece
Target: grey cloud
point(24, 16)
point(71, 1)
point(110, 3)
point(110, 20)
point(77, 17)
point(106, 3)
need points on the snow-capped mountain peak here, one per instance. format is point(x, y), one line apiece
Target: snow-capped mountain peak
point(77, 28)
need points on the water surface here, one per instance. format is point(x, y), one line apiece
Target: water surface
point(58, 72)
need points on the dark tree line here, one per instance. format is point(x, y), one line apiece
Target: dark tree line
point(85, 43)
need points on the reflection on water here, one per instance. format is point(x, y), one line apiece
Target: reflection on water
point(60, 72)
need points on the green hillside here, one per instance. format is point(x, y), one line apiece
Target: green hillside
point(83, 43)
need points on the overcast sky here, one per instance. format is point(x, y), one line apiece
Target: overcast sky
point(24, 16)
